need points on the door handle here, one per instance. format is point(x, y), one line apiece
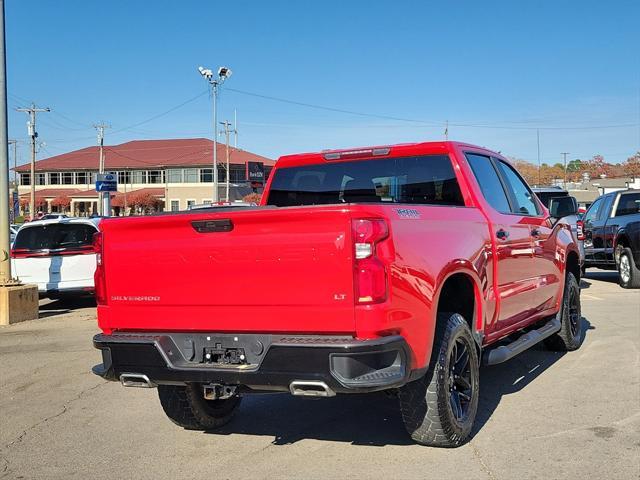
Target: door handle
point(502, 234)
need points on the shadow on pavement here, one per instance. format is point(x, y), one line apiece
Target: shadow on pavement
point(374, 419)
point(60, 306)
point(610, 276)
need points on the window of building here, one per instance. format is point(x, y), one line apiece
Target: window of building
point(82, 178)
point(54, 178)
point(41, 179)
point(206, 175)
point(190, 203)
point(25, 179)
point(237, 174)
point(190, 175)
point(207, 201)
point(174, 175)
point(67, 178)
point(139, 176)
point(175, 205)
point(155, 176)
point(124, 177)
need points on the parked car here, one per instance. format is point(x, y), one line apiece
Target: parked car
point(57, 255)
point(612, 235)
point(546, 194)
point(387, 268)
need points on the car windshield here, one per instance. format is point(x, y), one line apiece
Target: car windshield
point(55, 236)
point(416, 180)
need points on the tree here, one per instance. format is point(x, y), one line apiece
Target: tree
point(144, 201)
point(252, 198)
point(631, 166)
point(61, 201)
point(597, 167)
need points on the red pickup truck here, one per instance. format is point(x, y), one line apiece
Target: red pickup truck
point(398, 268)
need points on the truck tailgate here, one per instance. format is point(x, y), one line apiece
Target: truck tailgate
point(276, 270)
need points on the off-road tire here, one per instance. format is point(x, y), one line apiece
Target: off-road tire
point(425, 403)
point(186, 406)
point(569, 337)
point(632, 273)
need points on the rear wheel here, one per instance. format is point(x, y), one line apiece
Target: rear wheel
point(628, 273)
point(187, 407)
point(439, 409)
point(570, 335)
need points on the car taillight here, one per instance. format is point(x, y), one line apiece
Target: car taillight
point(98, 277)
point(580, 229)
point(370, 274)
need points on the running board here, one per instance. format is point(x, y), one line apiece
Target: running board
point(506, 352)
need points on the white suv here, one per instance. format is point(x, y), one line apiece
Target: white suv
point(57, 255)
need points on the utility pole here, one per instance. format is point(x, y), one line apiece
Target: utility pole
point(227, 131)
point(19, 302)
point(539, 166)
point(105, 197)
point(5, 260)
point(564, 154)
point(235, 128)
point(15, 160)
point(33, 134)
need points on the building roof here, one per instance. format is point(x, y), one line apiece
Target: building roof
point(52, 193)
point(146, 154)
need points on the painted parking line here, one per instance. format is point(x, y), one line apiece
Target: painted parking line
point(590, 297)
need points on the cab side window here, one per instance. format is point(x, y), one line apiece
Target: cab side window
point(489, 182)
point(592, 213)
point(525, 203)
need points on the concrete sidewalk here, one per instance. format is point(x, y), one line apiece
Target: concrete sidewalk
point(542, 415)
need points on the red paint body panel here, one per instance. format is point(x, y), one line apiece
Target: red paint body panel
point(291, 270)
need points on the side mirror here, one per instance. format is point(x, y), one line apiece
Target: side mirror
point(560, 207)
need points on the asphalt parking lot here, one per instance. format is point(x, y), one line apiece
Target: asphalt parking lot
point(542, 415)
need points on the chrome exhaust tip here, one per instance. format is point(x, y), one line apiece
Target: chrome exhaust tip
point(306, 388)
point(136, 380)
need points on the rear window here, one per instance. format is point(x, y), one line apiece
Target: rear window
point(426, 179)
point(545, 197)
point(55, 237)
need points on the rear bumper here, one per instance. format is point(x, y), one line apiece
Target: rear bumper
point(271, 362)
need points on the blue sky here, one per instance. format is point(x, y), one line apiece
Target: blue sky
point(510, 66)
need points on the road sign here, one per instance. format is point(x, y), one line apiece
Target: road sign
point(107, 182)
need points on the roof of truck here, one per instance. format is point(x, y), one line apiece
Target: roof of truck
point(379, 151)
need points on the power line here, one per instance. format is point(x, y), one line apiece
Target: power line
point(162, 114)
point(423, 122)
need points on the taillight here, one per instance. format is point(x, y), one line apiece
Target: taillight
point(370, 274)
point(98, 277)
point(580, 229)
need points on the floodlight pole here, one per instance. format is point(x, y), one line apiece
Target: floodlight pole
point(214, 85)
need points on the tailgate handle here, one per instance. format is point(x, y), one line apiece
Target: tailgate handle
point(212, 226)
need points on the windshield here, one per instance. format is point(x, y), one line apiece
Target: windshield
point(55, 236)
point(418, 180)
